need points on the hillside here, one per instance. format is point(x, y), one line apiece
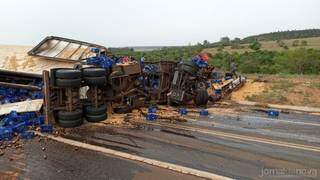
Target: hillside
point(282, 35)
point(313, 42)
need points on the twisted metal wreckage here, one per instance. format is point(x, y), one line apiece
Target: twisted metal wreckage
point(83, 80)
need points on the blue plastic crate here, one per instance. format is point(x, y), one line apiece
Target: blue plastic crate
point(46, 128)
point(27, 135)
point(218, 91)
point(6, 134)
point(183, 111)
point(151, 117)
point(217, 81)
point(95, 50)
point(19, 128)
point(273, 113)
point(204, 112)
point(152, 109)
point(37, 121)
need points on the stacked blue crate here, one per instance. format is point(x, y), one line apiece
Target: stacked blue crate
point(151, 115)
point(20, 123)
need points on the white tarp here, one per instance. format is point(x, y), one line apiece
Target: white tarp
point(24, 106)
point(15, 58)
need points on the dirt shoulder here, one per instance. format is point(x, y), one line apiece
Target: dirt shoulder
point(297, 90)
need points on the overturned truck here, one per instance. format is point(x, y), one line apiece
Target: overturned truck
point(80, 80)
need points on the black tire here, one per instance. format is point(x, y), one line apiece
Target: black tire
point(68, 83)
point(96, 118)
point(70, 124)
point(70, 116)
point(91, 110)
point(172, 103)
point(201, 98)
point(122, 110)
point(93, 72)
point(95, 81)
point(190, 63)
point(68, 73)
point(189, 67)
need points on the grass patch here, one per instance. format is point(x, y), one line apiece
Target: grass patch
point(274, 97)
point(315, 85)
point(282, 85)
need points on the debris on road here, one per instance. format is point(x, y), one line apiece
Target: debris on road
point(86, 80)
point(183, 111)
point(273, 113)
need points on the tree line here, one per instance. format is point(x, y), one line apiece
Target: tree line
point(295, 61)
point(272, 36)
point(290, 61)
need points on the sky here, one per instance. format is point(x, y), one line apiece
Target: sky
point(120, 23)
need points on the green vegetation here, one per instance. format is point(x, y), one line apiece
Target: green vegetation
point(297, 61)
point(295, 43)
point(255, 46)
point(276, 93)
point(293, 89)
point(315, 85)
point(293, 56)
point(167, 53)
point(304, 43)
point(273, 36)
point(281, 35)
point(275, 97)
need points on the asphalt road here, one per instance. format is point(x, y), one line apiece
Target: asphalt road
point(240, 159)
point(61, 161)
point(221, 151)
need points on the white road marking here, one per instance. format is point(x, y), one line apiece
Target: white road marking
point(166, 165)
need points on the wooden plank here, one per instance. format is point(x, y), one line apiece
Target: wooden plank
point(46, 92)
point(24, 106)
point(20, 86)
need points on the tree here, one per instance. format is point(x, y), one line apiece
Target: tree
point(255, 46)
point(304, 43)
point(206, 42)
point(220, 47)
point(225, 41)
point(235, 43)
point(295, 43)
point(281, 43)
point(237, 40)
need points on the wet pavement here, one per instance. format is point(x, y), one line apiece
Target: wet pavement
point(48, 159)
point(231, 157)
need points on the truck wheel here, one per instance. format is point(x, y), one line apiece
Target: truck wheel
point(93, 72)
point(201, 98)
point(171, 103)
point(122, 110)
point(95, 81)
point(70, 116)
point(189, 69)
point(96, 118)
point(68, 73)
point(70, 124)
point(91, 110)
point(68, 83)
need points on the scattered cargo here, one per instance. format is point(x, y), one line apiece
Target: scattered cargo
point(91, 81)
point(19, 123)
point(204, 112)
point(273, 113)
point(183, 111)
